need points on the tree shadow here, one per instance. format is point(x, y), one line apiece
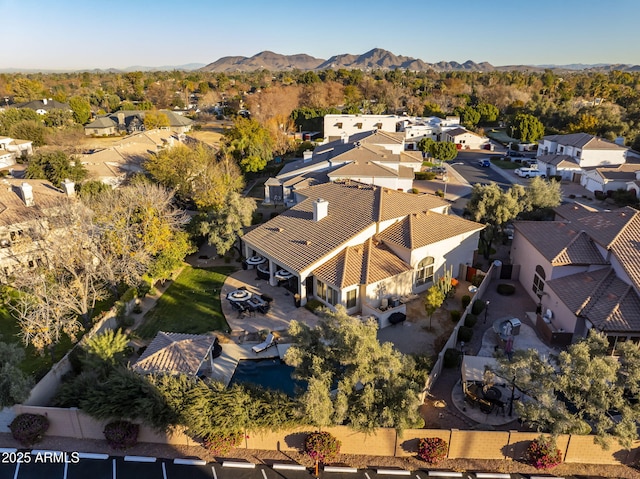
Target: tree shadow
point(296, 440)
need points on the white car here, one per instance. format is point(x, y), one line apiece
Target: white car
point(528, 172)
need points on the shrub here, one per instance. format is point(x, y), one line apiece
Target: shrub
point(432, 449)
point(470, 320)
point(478, 306)
point(506, 289)
point(542, 453)
point(313, 304)
point(439, 193)
point(222, 443)
point(451, 358)
point(322, 447)
point(455, 315)
point(466, 299)
point(477, 279)
point(29, 429)
point(465, 334)
point(413, 191)
point(121, 434)
point(425, 175)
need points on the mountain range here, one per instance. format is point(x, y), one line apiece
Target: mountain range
point(377, 59)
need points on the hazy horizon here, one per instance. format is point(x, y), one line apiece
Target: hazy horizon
point(80, 35)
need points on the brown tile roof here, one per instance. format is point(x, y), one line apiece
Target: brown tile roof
point(423, 228)
point(366, 263)
point(560, 243)
point(13, 209)
point(364, 168)
point(294, 240)
point(383, 137)
point(601, 297)
point(174, 353)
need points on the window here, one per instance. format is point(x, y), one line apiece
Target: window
point(424, 270)
point(352, 296)
point(538, 281)
point(326, 293)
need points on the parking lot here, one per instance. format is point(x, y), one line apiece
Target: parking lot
point(96, 466)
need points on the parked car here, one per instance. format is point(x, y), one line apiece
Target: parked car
point(528, 172)
point(438, 169)
point(486, 162)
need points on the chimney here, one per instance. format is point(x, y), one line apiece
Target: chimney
point(307, 155)
point(27, 193)
point(345, 138)
point(68, 187)
point(44, 101)
point(120, 119)
point(320, 209)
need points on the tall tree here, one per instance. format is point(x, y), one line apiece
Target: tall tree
point(81, 109)
point(155, 119)
point(527, 128)
point(582, 388)
point(15, 386)
point(355, 379)
point(250, 144)
point(55, 166)
point(490, 205)
point(432, 301)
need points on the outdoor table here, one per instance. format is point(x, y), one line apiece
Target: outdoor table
point(256, 260)
point(283, 275)
point(239, 295)
point(492, 394)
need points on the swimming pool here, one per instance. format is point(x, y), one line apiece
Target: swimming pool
point(270, 373)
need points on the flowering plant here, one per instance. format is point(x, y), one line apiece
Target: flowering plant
point(432, 449)
point(322, 446)
point(29, 428)
point(222, 443)
point(542, 453)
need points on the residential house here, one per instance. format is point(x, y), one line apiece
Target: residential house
point(465, 139)
point(112, 165)
point(11, 150)
point(362, 246)
point(43, 106)
point(132, 121)
point(584, 270)
point(22, 203)
point(374, 157)
point(622, 177)
point(570, 156)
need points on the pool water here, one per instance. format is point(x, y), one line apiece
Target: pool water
point(270, 373)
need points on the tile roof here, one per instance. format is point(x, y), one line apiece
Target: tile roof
point(366, 168)
point(102, 122)
point(174, 353)
point(366, 263)
point(460, 131)
point(559, 160)
point(601, 297)
point(384, 137)
point(560, 243)
point(424, 228)
point(584, 141)
point(13, 210)
point(294, 240)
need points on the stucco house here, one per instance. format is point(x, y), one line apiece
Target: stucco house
point(622, 177)
point(12, 149)
point(42, 107)
point(132, 121)
point(465, 139)
point(362, 246)
point(374, 157)
point(584, 271)
point(570, 156)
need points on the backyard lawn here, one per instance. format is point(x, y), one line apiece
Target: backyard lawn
point(506, 165)
point(190, 305)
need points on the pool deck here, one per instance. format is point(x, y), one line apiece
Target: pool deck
point(225, 365)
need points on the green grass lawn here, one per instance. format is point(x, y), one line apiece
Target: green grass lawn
point(190, 305)
point(506, 165)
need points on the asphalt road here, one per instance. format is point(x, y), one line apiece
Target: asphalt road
point(474, 173)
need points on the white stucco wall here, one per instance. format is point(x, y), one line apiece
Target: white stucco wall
point(601, 157)
point(349, 122)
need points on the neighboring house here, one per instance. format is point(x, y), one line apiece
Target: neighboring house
point(570, 156)
point(622, 177)
point(43, 106)
point(132, 121)
point(11, 150)
point(413, 128)
point(373, 157)
point(112, 165)
point(362, 245)
point(465, 139)
point(22, 203)
point(177, 353)
point(584, 268)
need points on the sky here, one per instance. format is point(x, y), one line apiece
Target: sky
point(88, 34)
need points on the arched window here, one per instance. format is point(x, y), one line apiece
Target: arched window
point(424, 271)
point(538, 281)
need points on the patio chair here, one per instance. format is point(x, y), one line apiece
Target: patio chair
point(266, 344)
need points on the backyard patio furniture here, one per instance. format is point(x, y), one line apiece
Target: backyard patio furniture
point(266, 344)
point(397, 317)
point(239, 296)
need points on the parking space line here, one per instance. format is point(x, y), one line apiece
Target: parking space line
point(66, 468)
point(164, 471)
point(114, 469)
point(213, 470)
point(264, 474)
point(15, 475)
